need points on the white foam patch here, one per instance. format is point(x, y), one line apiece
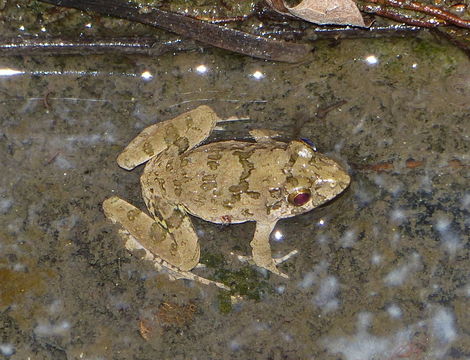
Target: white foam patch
point(467, 290)
point(379, 180)
point(406, 343)
point(5, 205)
point(359, 126)
point(398, 216)
point(450, 239)
point(443, 326)
point(326, 295)
point(234, 345)
point(311, 277)
point(63, 163)
point(55, 307)
point(394, 311)
point(376, 258)
point(364, 346)
point(348, 239)
point(7, 349)
point(363, 198)
point(322, 239)
point(426, 184)
point(47, 329)
point(308, 280)
point(364, 319)
point(399, 275)
point(466, 201)
point(442, 224)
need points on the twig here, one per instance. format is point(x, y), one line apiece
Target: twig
point(219, 36)
point(425, 9)
point(80, 46)
point(400, 16)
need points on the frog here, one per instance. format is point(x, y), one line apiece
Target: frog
point(223, 182)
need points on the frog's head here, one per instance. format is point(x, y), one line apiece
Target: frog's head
point(312, 178)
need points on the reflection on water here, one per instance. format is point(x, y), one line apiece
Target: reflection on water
point(382, 271)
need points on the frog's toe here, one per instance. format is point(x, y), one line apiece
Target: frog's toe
point(272, 268)
point(270, 265)
point(286, 257)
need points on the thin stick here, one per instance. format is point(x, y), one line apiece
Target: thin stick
point(400, 17)
point(425, 9)
point(80, 46)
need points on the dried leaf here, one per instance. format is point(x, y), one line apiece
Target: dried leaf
point(339, 12)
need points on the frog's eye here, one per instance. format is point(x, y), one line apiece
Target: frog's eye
point(300, 197)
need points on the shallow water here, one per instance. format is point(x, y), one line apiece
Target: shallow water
point(382, 271)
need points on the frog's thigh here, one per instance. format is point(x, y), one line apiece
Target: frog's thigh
point(185, 132)
point(152, 235)
point(261, 249)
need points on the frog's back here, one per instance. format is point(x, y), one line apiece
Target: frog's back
point(230, 181)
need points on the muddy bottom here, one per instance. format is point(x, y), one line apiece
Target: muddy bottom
point(381, 273)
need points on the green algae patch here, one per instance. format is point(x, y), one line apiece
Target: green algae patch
point(246, 283)
point(213, 261)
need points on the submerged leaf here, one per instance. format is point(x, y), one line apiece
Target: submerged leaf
point(339, 12)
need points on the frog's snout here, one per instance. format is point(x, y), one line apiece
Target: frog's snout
point(343, 179)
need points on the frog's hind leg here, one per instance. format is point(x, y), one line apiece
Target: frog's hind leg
point(141, 232)
point(183, 132)
point(153, 235)
point(161, 265)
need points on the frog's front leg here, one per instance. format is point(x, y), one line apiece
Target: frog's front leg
point(183, 132)
point(261, 249)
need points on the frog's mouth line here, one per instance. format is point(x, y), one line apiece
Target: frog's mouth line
point(336, 198)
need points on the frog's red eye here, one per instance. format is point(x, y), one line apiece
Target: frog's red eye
point(300, 197)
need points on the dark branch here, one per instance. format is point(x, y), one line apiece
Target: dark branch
point(427, 10)
point(218, 36)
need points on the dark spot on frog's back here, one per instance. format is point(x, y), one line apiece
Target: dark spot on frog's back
point(247, 212)
point(239, 188)
point(206, 186)
point(213, 165)
point(175, 220)
point(189, 120)
point(182, 143)
point(253, 194)
point(215, 155)
point(148, 149)
point(177, 186)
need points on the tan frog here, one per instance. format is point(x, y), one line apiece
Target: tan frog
point(221, 182)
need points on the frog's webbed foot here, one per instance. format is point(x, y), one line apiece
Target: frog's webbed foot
point(277, 261)
point(261, 250)
point(141, 232)
point(183, 132)
point(265, 135)
point(269, 265)
point(173, 272)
